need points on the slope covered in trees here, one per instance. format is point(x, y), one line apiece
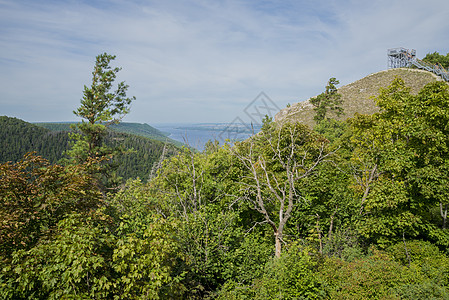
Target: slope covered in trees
point(18, 137)
point(143, 130)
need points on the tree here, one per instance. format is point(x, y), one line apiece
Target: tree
point(401, 161)
point(428, 113)
point(328, 100)
point(276, 161)
point(193, 188)
point(101, 106)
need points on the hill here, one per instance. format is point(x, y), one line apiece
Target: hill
point(357, 96)
point(18, 137)
point(143, 130)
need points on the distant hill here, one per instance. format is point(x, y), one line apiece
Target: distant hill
point(356, 96)
point(18, 137)
point(143, 130)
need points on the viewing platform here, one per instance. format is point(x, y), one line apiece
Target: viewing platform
point(406, 58)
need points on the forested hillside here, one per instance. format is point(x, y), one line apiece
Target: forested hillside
point(143, 130)
point(18, 137)
point(353, 209)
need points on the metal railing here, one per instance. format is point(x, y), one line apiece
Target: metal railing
point(436, 69)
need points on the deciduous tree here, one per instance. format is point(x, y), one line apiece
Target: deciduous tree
point(401, 154)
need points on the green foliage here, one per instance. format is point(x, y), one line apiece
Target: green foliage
point(144, 258)
point(73, 263)
point(35, 196)
point(423, 257)
point(246, 261)
point(190, 180)
point(379, 276)
point(330, 128)
point(208, 239)
point(370, 277)
point(146, 248)
point(193, 188)
point(328, 100)
point(292, 276)
point(123, 252)
point(401, 158)
point(437, 58)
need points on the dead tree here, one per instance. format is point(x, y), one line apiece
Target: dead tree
point(275, 161)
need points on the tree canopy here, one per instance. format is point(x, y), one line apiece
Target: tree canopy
point(437, 58)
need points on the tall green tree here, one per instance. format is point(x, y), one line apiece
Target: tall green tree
point(102, 105)
point(330, 99)
point(400, 162)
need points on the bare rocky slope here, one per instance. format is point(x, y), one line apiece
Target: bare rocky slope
point(358, 96)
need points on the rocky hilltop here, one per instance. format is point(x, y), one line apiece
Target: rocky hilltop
point(358, 96)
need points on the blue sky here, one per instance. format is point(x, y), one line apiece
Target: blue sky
point(201, 60)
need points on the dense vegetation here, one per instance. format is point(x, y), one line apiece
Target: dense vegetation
point(349, 210)
point(437, 58)
point(18, 137)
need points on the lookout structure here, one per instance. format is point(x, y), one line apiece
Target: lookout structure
point(406, 58)
point(400, 57)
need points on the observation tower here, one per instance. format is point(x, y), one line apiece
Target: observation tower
point(400, 57)
point(406, 58)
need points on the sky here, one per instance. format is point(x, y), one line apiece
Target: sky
point(201, 61)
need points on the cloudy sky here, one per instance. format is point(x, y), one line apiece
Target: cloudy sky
point(201, 60)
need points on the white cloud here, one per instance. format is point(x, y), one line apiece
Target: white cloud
point(201, 61)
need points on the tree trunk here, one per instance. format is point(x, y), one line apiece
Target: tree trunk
point(319, 233)
point(277, 239)
point(443, 213)
point(367, 187)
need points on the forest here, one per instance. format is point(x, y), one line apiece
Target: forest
point(353, 209)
